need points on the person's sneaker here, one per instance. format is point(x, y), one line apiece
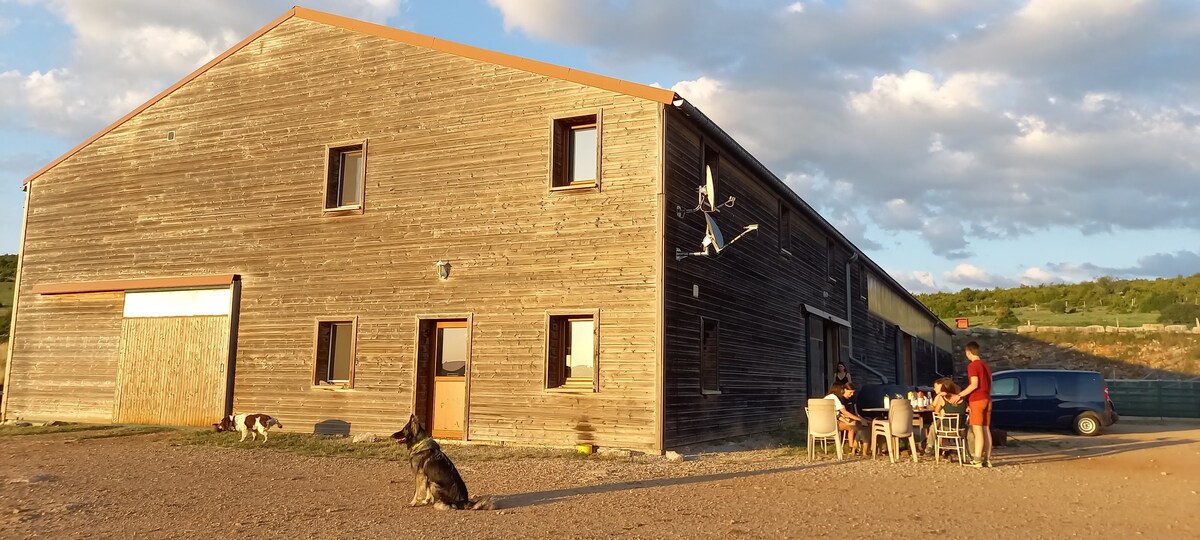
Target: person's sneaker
point(976, 464)
point(988, 463)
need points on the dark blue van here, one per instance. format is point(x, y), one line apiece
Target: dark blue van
point(1051, 399)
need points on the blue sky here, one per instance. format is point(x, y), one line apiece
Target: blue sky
point(959, 143)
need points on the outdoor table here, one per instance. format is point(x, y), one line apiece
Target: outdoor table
point(925, 414)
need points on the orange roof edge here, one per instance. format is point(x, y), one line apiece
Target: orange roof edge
point(134, 284)
point(652, 93)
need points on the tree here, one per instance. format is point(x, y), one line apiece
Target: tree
point(1157, 302)
point(1179, 314)
point(8, 267)
point(1005, 318)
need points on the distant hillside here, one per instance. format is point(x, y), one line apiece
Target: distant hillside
point(8, 268)
point(1117, 356)
point(1106, 301)
point(8, 273)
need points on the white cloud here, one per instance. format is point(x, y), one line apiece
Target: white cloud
point(797, 7)
point(701, 92)
point(1043, 113)
point(969, 275)
point(916, 281)
point(916, 89)
point(1037, 276)
point(899, 214)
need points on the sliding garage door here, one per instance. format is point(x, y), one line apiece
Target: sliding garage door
point(173, 357)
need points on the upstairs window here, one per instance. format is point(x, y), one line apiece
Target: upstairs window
point(830, 254)
point(712, 168)
point(576, 152)
point(710, 356)
point(785, 229)
point(345, 170)
point(335, 352)
point(572, 352)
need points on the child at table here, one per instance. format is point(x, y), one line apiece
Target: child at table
point(847, 420)
point(942, 389)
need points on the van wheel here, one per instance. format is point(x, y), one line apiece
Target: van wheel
point(1087, 424)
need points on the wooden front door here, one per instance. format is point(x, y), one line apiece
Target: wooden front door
point(448, 395)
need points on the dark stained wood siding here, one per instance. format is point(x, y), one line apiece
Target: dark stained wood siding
point(456, 170)
point(758, 294)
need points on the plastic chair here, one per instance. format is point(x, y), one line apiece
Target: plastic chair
point(898, 425)
point(946, 428)
point(822, 425)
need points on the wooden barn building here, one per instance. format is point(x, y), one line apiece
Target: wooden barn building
point(338, 223)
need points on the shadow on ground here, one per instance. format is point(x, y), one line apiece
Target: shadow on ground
point(1032, 448)
point(555, 495)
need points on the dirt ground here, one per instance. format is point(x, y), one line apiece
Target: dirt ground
point(1136, 480)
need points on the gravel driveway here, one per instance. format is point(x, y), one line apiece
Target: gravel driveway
point(1135, 480)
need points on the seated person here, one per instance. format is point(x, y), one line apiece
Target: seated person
point(847, 420)
point(943, 388)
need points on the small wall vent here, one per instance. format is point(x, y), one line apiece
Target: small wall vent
point(171, 135)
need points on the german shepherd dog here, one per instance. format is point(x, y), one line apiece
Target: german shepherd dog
point(438, 481)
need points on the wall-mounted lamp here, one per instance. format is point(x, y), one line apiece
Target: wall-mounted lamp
point(443, 269)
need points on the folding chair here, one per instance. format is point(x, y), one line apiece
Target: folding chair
point(946, 428)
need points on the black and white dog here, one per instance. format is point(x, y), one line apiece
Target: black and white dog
point(438, 482)
point(248, 424)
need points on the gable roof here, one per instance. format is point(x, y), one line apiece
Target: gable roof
point(660, 95)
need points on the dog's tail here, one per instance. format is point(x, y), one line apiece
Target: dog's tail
point(486, 502)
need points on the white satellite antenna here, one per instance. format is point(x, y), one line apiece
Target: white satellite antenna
point(706, 197)
point(712, 234)
point(712, 237)
point(710, 188)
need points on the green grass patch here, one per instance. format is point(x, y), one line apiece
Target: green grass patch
point(15, 431)
point(332, 446)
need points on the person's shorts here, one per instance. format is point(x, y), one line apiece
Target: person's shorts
point(980, 412)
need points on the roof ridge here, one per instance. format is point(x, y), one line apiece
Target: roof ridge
point(652, 93)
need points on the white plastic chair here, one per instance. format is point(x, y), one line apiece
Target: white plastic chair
point(898, 425)
point(822, 426)
point(946, 428)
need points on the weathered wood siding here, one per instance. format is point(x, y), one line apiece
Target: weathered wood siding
point(757, 293)
point(456, 170)
point(172, 371)
point(65, 357)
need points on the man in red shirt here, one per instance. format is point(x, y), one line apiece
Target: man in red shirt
point(979, 400)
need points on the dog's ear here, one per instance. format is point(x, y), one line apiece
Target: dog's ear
point(400, 436)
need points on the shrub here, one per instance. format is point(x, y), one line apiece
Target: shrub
point(1057, 306)
point(1156, 302)
point(1179, 314)
point(1005, 318)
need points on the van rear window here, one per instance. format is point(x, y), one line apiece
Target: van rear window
point(1080, 386)
point(1039, 385)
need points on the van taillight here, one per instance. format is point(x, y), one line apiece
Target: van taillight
point(1106, 398)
